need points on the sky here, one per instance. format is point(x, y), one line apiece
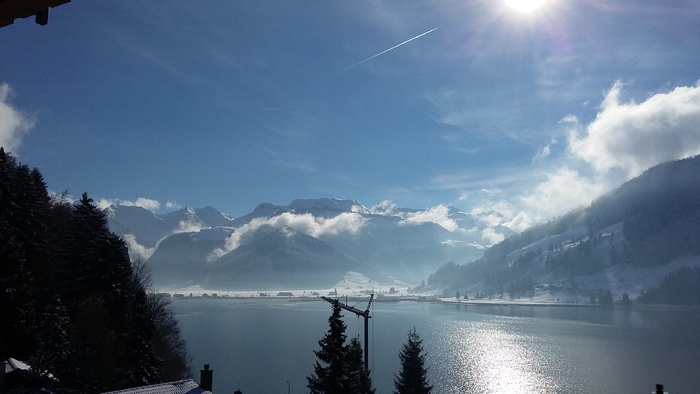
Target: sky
point(472, 104)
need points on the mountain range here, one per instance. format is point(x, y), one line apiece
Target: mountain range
point(308, 243)
point(625, 241)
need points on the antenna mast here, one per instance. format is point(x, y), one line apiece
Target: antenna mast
point(359, 313)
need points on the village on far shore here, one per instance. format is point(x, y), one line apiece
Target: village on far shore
point(616, 281)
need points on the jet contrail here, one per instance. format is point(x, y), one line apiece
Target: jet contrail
point(390, 49)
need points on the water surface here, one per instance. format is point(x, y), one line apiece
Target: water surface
point(258, 345)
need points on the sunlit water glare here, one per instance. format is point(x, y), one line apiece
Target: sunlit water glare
point(259, 346)
point(495, 357)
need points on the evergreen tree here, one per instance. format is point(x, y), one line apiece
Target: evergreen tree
point(329, 375)
point(17, 296)
point(70, 302)
point(360, 381)
point(168, 346)
point(412, 379)
point(626, 299)
point(140, 368)
point(95, 344)
point(55, 357)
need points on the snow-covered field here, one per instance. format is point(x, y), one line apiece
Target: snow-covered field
point(353, 284)
point(618, 279)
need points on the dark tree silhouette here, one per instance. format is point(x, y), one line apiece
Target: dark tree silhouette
point(53, 340)
point(360, 381)
point(168, 344)
point(329, 375)
point(412, 379)
point(71, 303)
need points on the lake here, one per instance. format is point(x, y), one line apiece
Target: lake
point(265, 346)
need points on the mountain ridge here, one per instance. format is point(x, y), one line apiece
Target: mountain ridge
point(383, 241)
point(650, 221)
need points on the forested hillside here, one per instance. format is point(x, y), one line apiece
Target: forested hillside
point(649, 221)
point(72, 305)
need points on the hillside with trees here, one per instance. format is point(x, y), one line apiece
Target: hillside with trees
point(649, 221)
point(73, 306)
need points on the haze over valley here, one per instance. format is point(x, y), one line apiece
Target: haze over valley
point(306, 243)
point(626, 241)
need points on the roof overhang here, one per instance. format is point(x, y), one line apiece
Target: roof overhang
point(13, 9)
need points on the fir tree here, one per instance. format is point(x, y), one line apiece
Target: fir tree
point(95, 345)
point(55, 357)
point(329, 375)
point(17, 296)
point(168, 345)
point(70, 301)
point(140, 368)
point(412, 379)
point(360, 381)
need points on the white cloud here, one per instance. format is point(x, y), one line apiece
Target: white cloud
point(438, 215)
point(104, 203)
point(145, 203)
point(491, 236)
point(563, 190)
point(385, 208)
point(623, 140)
point(136, 249)
point(13, 123)
point(188, 227)
point(544, 152)
point(633, 137)
point(520, 222)
point(570, 118)
point(173, 205)
point(61, 197)
point(346, 222)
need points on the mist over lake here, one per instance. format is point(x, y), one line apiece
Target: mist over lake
point(258, 345)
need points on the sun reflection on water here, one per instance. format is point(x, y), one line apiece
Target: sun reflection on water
point(495, 358)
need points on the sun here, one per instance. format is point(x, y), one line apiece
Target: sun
point(525, 6)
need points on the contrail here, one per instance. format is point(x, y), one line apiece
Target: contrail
point(387, 50)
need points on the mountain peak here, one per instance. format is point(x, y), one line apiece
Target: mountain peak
point(324, 206)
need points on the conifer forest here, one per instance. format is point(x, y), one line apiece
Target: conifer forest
point(74, 307)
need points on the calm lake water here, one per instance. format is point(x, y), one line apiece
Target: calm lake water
point(258, 345)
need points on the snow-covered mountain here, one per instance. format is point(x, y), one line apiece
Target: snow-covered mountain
point(308, 242)
point(144, 229)
point(624, 242)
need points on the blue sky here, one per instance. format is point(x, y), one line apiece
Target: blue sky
point(230, 104)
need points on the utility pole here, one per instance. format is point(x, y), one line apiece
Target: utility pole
point(359, 313)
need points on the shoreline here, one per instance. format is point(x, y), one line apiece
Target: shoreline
point(419, 299)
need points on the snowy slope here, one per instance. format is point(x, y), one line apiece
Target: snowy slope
point(381, 241)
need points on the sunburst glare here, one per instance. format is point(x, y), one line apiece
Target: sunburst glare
point(525, 6)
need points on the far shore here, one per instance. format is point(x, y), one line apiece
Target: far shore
point(519, 302)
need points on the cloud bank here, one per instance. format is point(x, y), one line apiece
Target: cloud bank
point(13, 123)
point(634, 137)
point(145, 203)
point(346, 222)
point(438, 215)
point(624, 140)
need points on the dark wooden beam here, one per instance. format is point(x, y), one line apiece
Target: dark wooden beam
point(14, 9)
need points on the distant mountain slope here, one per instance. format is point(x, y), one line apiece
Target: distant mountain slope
point(649, 221)
point(148, 228)
point(281, 257)
point(306, 242)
